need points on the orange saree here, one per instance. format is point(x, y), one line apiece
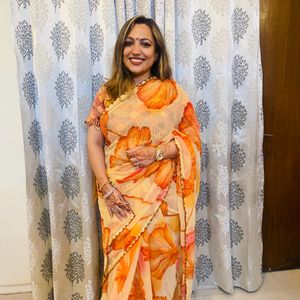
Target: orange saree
point(149, 254)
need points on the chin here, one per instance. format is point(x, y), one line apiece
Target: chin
point(138, 74)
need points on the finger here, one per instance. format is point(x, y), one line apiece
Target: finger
point(128, 209)
point(117, 209)
point(114, 211)
point(131, 152)
point(133, 148)
point(122, 204)
point(120, 213)
point(119, 197)
point(139, 165)
point(124, 212)
point(130, 155)
point(133, 159)
point(115, 197)
point(121, 201)
point(125, 206)
point(119, 217)
point(110, 212)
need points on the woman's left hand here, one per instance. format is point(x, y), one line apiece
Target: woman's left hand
point(141, 156)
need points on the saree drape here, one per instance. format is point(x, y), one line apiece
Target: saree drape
point(64, 52)
point(150, 253)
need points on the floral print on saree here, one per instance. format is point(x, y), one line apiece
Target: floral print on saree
point(150, 253)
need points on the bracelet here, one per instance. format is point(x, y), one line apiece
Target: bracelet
point(97, 128)
point(109, 192)
point(103, 184)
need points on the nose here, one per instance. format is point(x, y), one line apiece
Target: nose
point(136, 49)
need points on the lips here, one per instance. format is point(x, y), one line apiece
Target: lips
point(136, 60)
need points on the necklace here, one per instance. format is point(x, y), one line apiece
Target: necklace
point(144, 81)
point(124, 96)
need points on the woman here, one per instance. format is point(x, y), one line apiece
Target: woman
point(143, 146)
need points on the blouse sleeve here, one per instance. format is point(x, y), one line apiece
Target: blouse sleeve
point(97, 109)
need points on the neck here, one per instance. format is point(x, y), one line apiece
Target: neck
point(144, 81)
point(140, 79)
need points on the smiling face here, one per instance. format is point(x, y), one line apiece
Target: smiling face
point(139, 52)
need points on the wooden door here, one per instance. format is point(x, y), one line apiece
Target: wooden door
point(280, 46)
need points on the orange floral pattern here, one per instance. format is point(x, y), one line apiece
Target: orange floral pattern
point(105, 237)
point(136, 137)
point(157, 240)
point(189, 125)
point(123, 268)
point(190, 250)
point(137, 290)
point(163, 251)
point(125, 238)
point(188, 182)
point(158, 94)
point(122, 273)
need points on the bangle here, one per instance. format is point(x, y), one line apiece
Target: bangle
point(97, 128)
point(103, 184)
point(109, 192)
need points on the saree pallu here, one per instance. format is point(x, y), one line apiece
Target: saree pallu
point(150, 253)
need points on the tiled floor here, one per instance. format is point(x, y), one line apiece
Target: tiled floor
point(283, 285)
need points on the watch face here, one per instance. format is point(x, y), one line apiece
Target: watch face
point(158, 154)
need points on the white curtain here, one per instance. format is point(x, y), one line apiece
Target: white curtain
point(64, 51)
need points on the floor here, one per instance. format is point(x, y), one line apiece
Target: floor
point(283, 285)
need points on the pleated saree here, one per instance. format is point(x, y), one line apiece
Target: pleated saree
point(150, 253)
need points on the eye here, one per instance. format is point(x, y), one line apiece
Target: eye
point(146, 44)
point(127, 43)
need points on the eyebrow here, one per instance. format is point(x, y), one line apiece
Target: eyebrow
point(142, 39)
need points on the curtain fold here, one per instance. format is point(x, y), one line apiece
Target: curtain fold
point(64, 50)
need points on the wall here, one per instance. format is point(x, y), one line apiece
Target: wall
point(14, 254)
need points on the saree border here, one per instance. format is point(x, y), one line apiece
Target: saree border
point(185, 221)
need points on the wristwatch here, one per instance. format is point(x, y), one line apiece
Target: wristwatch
point(158, 154)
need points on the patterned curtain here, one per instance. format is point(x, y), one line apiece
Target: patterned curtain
point(64, 51)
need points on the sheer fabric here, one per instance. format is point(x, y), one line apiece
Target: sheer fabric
point(150, 253)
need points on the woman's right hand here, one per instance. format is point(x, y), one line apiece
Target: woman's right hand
point(116, 203)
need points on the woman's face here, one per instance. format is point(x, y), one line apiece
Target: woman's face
point(139, 52)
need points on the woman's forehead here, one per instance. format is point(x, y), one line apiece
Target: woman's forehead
point(140, 31)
